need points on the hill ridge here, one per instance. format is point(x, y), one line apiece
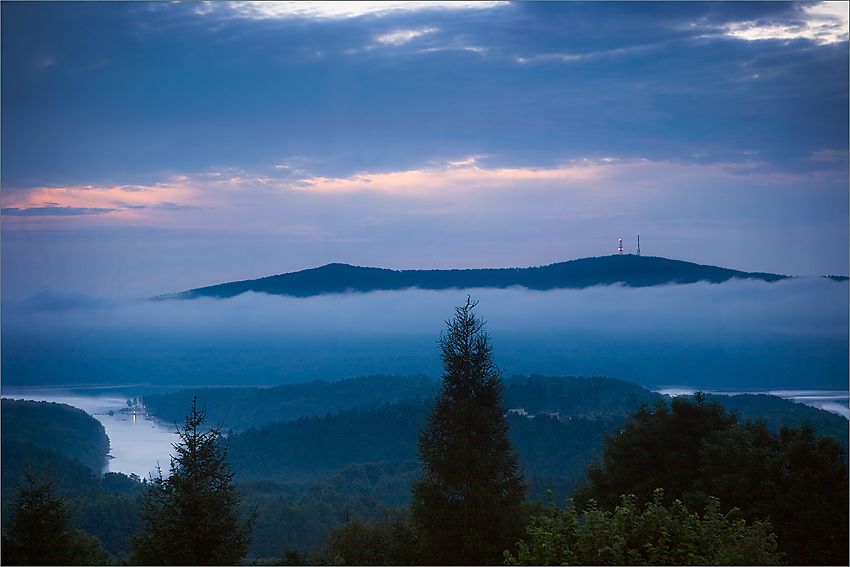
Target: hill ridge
point(629, 269)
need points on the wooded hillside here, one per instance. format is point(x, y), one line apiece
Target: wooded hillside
point(631, 270)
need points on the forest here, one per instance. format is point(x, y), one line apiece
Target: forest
point(349, 472)
point(46, 426)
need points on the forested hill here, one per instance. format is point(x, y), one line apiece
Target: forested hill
point(631, 270)
point(65, 429)
point(64, 440)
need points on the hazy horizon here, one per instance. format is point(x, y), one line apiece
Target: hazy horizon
point(739, 334)
point(152, 148)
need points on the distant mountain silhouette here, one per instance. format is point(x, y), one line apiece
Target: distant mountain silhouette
point(630, 270)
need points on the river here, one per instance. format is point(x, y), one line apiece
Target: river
point(138, 441)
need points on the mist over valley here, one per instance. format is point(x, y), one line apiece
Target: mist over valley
point(740, 334)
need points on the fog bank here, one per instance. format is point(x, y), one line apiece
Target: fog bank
point(741, 334)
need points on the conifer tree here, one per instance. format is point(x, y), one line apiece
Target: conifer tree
point(467, 508)
point(38, 532)
point(192, 517)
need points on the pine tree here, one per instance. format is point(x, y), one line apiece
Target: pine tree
point(467, 508)
point(192, 517)
point(38, 531)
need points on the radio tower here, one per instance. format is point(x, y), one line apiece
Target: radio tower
point(620, 249)
point(638, 250)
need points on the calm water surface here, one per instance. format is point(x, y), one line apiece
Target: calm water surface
point(137, 441)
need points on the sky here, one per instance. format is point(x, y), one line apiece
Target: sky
point(149, 148)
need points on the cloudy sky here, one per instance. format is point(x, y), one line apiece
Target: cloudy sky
point(148, 148)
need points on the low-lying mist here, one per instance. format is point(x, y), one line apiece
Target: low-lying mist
point(742, 334)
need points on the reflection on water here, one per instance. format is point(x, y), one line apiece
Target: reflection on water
point(835, 401)
point(137, 442)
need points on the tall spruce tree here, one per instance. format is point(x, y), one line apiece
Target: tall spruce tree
point(467, 508)
point(192, 517)
point(38, 530)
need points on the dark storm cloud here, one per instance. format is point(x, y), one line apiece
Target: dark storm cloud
point(129, 92)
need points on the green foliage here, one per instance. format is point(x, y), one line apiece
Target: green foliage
point(361, 461)
point(110, 516)
point(570, 395)
point(291, 555)
point(791, 477)
point(19, 456)
point(385, 481)
point(563, 448)
point(796, 479)
point(658, 535)
point(299, 516)
point(777, 412)
point(38, 529)
point(658, 447)
point(302, 449)
point(121, 483)
point(37, 532)
point(467, 506)
point(192, 517)
point(244, 408)
point(70, 431)
point(388, 541)
point(85, 549)
point(299, 450)
point(104, 507)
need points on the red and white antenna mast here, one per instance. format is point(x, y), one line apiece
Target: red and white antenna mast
point(638, 250)
point(620, 249)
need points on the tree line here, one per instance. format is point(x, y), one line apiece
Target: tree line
point(247, 408)
point(56, 426)
point(677, 483)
